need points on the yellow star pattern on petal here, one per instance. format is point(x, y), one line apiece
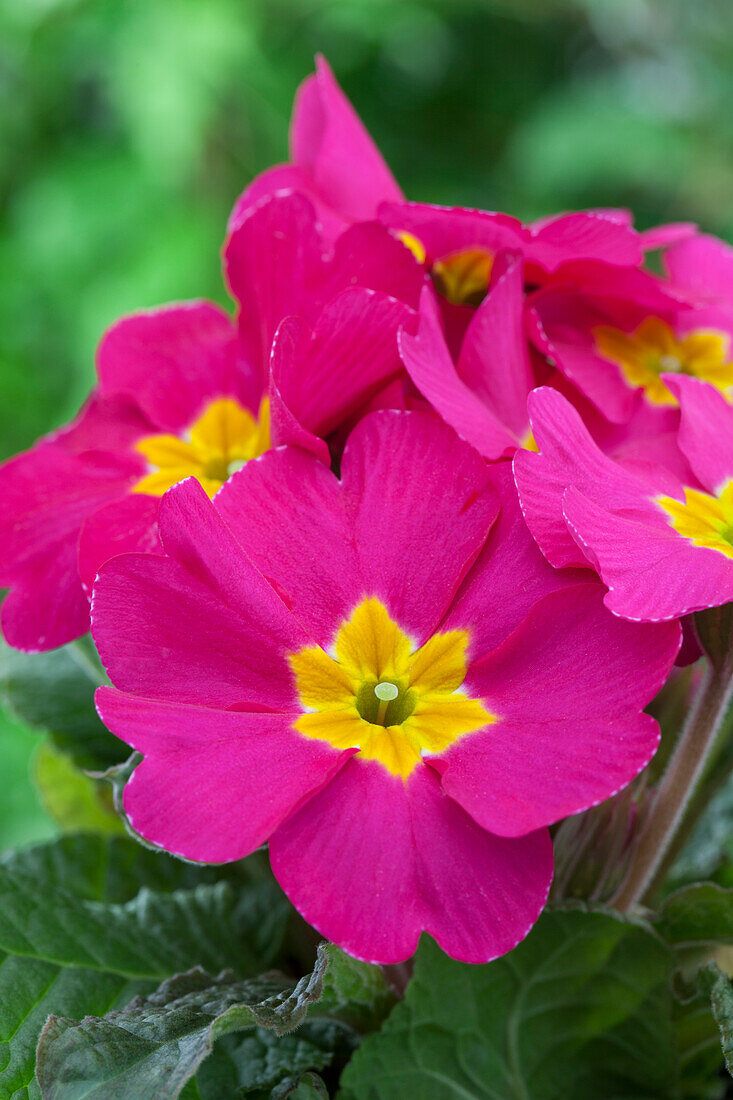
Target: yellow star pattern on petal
point(223, 438)
point(703, 519)
point(379, 695)
point(653, 349)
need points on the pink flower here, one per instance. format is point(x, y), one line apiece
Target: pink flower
point(614, 334)
point(182, 393)
point(174, 399)
point(382, 677)
point(663, 546)
point(335, 163)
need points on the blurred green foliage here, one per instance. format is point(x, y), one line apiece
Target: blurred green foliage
point(128, 127)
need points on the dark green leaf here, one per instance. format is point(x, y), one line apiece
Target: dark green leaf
point(698, 1045)
point(308, 1087)
point(55, 691)
point(89, 921)
point(250, 1064)
point(580, 1009)
point(700, 914)
point(151, 1048)
point(355, 992)
point(718, 987)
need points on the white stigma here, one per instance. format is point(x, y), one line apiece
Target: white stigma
point(670, 363)
point(386, 692)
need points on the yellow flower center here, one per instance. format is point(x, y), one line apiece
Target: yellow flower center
point(703, 519)
point(653, 349)
point(224, 437)
point(463, 277)
point(380, 696)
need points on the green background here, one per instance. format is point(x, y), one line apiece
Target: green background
point(128, 127)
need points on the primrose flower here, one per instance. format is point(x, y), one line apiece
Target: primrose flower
point(180, 394)
point(663, 546)
point(617, 338)
point(381, 676)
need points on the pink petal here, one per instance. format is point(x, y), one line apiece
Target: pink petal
point(421, 504)
point(371, 862)
point(46, 606)
point(274, 268)
point(652, 573)
point(124, 527)
point(200, 626)
point(429, 364)
point(332, 144)
point(352, 354)
point(327, 545)
point(662, 236)
point(110, 424)
point(568, 687)
point(369, 255)
point(509, 576)
point(45, 495)
point(287, 511)
point(214, 784)
point(174, 360)
point(706, 429)
point(494, 360)
point(702, 265)
point(289, 347)
point(589, 234)
point(445, 229)
point(568, 456)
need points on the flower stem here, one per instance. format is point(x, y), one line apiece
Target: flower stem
point(678, 784)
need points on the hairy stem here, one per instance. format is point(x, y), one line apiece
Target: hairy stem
point(678, 785)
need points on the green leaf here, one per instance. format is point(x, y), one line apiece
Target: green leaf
point(355, 992)
point(581, 1008)
point(698, 1045)
point(308, 1087)
point(55, 692)
point(700, 914)
point(151, 1048)
point(74, 800)
point(251, 1064)
point(88, 922)
point(718, 987)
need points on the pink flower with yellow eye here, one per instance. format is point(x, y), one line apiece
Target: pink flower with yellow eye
point(182, 392)
point(663, 545)
point(379, 675)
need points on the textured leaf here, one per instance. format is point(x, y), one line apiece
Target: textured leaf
point(700, 914)
point(718, 987)
point(251, 1064)
point(355, 992)
point(74, 800)
point(581, 1008)
point(308, 1087)
point(88, 922)
point(55, 691)
point(151, 1048)
point(700, 1056)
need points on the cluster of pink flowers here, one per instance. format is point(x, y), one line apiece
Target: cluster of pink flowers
point(385, 569)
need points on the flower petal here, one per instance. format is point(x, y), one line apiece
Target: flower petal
point(371, 862)
point(567, 687)
point(199, 626)
point(172, 361)
point(214, 784)
point(509, 576)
